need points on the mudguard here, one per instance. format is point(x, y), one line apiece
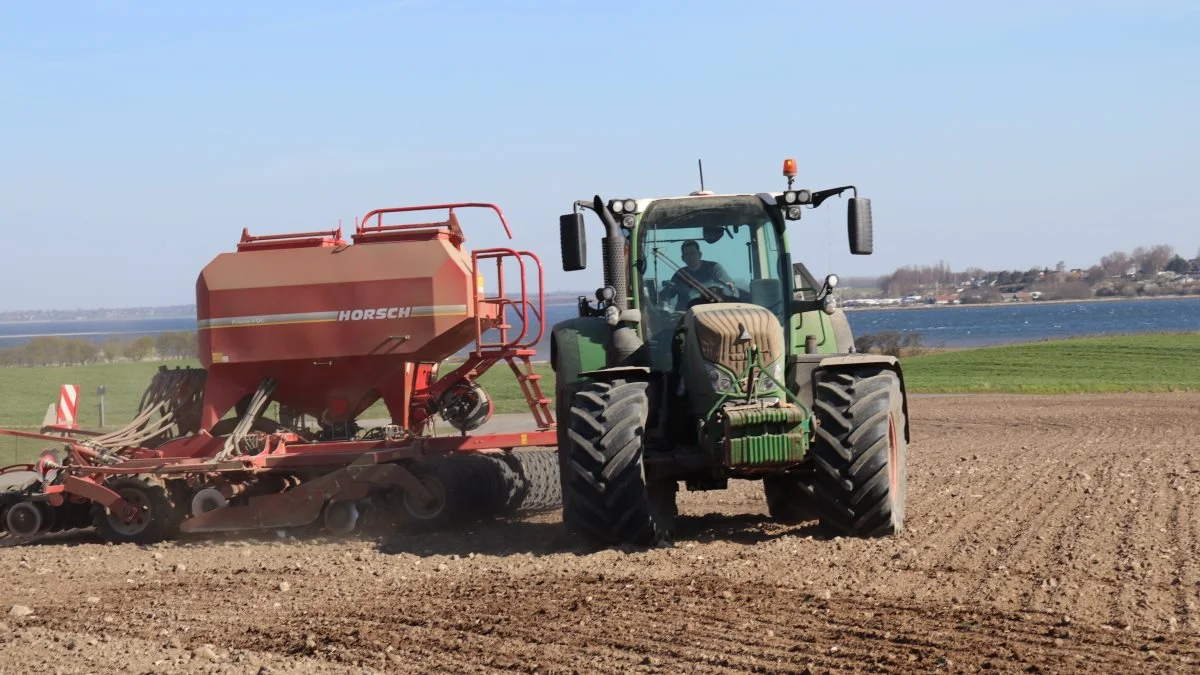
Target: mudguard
point(578, 346)
point(805, 367)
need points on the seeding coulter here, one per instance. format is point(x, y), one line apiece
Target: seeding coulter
point(324, 328)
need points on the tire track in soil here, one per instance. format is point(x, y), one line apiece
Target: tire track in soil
point(1150, 517)
point(1039, 555)
point(1188, 559)
point(1142, 587)
point(1069, 544)
point(436, 631)
point(982, 527)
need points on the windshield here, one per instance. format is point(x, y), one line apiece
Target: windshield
point(705, 249)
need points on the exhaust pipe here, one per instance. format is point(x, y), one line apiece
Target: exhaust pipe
point(625, 346)
point(614, 255)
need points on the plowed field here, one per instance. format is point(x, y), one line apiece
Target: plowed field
point(1045, 534)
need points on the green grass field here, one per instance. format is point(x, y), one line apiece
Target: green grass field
point(1142, 363)
point(1133, 363)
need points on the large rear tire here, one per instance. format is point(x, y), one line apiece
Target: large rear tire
point(860, 454)
point(607, 498)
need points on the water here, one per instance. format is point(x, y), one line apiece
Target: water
point(975, 326)
point(939, 326)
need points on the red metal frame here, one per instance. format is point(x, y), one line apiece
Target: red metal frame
point(379, 213)
point(192, 456)
point(290, 240)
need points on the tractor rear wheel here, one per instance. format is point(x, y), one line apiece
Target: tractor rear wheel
point(156, 519)
point(860, 454)
point(789, 498)
point(607, 498)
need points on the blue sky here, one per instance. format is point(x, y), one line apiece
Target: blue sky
point(138, 138)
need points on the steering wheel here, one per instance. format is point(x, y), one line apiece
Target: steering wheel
point(721, 292)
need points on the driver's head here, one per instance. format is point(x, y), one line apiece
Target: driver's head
point(691, 254)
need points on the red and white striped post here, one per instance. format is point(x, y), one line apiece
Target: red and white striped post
point(68, 406)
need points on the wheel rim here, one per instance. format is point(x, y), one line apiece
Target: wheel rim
point(207, 500)
point(24, 519)
point(341, 517)
point(141, 521)
point(427, 511)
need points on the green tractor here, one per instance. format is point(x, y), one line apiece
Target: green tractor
point(707, 356)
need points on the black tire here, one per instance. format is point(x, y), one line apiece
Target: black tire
point(860, 455)
point(437, 477)
point(789, 498)
point(562, 417)
point(485, 484)
point(158, 519)
point(541, 485)
point(607, 498)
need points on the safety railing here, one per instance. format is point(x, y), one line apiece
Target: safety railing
point(250, 242)
point(523, 308)
point(365, 227)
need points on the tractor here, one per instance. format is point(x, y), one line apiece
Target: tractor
point(708, 356)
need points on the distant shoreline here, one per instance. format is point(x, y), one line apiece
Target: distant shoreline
point(1018, 303)
point(147, 317)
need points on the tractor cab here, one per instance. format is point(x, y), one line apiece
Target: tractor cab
point(705, 250)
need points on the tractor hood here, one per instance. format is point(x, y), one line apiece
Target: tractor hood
point(717, 342)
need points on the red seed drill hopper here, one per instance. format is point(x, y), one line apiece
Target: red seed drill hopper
point(324, 328)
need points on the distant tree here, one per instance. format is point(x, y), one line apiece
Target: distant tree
point(140, 349)
point(113, 349)
point(1138, 256)
point(1095, 274)
point(1061, 266)
point(1071, 290)
point(176, 345)
point(1114, 264)
point(1155, 259)
point(1178, 265)
point(78, 351)
point(892, 343)
point(979, 296)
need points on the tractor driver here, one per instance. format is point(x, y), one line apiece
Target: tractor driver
point(707, 272)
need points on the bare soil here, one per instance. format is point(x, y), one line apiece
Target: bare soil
point(1045, 534)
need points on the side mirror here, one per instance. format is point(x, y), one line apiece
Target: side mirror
point(858, 216)
point(574, 242)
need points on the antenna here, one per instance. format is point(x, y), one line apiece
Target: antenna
point(700, 164)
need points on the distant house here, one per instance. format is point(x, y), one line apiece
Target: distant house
point(1195, 266)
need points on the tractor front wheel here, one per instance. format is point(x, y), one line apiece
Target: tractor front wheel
point(607, 498)
point(860, 454)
